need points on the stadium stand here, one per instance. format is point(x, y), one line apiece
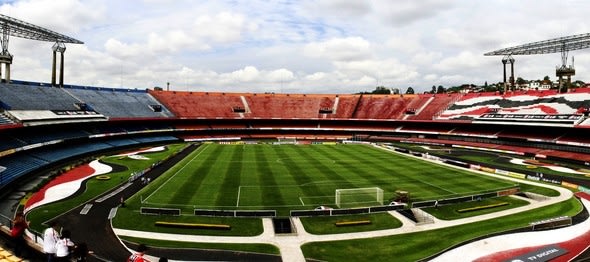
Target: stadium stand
point(17, 166)
point(29, 97)
point(7, 142)
point(417, 105)
point(4, 119)
point(35, 137)
point(345, 105)
point(284, 106)
point(121, 142)
point(434, 107)
point(198, 104)
point(545, 105)
point(382, 106)
point(119, 103)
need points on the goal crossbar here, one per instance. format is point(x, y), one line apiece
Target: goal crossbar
point(358, 196)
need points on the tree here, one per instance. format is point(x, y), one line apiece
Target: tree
point(395, 91)
point(578, 83)
point(440, 90)
point(381, 90)
point(433, 90)
point(410, 91)
point(547, 78)
point(520, 81)
point(378, 90)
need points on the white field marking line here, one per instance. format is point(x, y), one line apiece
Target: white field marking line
point(179, 170)
point(302, 203)
point(238, 201)
point(432, 185)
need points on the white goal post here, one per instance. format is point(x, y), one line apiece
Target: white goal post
point(359, 196)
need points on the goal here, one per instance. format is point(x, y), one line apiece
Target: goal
point(354, 197)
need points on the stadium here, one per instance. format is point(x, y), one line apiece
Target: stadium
point(203, 176)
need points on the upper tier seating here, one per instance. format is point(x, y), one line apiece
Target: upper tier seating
point(284, 106)
point(435, 106)
point(30, 97)
point(519, 103)
point(346, 104)
point(197, 104)
point(382, 106)
point(119, 103)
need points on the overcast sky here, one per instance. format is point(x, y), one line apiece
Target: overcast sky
point(289, 46)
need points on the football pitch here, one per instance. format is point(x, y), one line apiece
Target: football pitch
point(299, 177)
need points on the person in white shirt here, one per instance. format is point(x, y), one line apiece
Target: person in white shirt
point(50, 237)
point(63, 247)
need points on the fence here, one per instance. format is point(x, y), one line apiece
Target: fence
point(551, 223)
point(235, 213)
point(346, 211)
point(160, 211)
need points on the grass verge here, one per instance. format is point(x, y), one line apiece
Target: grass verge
point(326, 225)
point(130, 219)
point(254, 248)
point(449, 212)
point(416, 246)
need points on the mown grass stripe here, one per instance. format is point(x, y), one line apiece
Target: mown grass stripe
point(323, 169)
point(374, 178)
point(187, 188)
point(299, 174)
point(411, 170)
point(270, 193)
point(231, 177)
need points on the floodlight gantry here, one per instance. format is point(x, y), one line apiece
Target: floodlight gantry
point(557, 45)
point(17, 28)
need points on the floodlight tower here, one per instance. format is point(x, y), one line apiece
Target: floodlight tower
point(564, 70)
point(557, 45)
point(14, 27)
point(5, 56)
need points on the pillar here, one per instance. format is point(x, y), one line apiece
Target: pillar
point(61, 70)
point(61, 48)
point(7, 73)
point(53, 70)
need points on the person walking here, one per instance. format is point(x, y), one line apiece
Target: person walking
point(50, 238)
point(19, 225)
point(138, 257)
point(63, 247)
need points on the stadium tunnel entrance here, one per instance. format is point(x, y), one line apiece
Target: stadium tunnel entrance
point(283, 225)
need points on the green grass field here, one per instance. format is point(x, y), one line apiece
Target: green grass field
point(292, 177)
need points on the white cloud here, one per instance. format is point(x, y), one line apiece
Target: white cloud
point(407, 12)
point(223, 27)
point(313, 46)
point(460, 62)
point(340, 49)
point(69, 16)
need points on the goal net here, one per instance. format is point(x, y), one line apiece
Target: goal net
point(354, 197)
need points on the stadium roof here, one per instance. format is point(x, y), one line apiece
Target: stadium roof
point(18, 28)
point(561, 44)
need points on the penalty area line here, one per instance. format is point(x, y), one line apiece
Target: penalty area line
point(301, 200)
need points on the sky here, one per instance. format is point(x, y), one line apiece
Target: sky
point(289, 46)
